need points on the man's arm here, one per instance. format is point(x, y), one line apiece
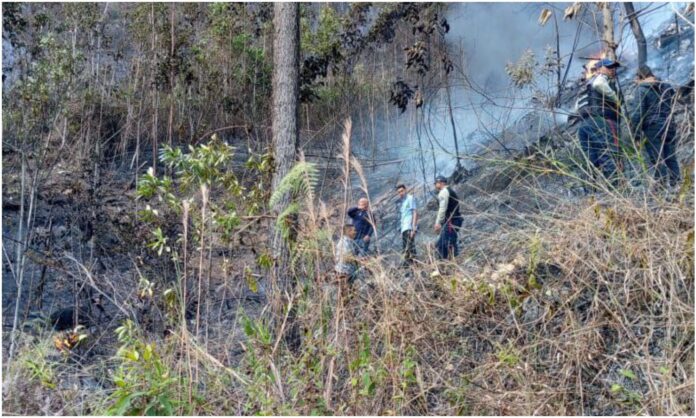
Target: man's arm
point(414, 226)
point(353, 211)
point(442, 197)
point(601, 84)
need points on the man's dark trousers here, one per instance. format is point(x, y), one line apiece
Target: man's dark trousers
point(447, 242)
point(408, 245)
point(363, 246)
point(661, 151)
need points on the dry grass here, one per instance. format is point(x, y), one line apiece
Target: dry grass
point(592, 313)
point(583, 308)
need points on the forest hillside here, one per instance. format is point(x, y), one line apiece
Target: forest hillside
point(180, 182)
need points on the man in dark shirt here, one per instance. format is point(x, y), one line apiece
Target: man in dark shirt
point(364, 224)
point(652, 115)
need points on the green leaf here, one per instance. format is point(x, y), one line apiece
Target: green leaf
point(265, 261)
point(123, 404)
point(250, 280)
point(167, 408)
point(628, 374)
point(368, 385)
point(133, 355)
point(249, 329)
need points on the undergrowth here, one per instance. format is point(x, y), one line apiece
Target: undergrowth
point(585, 309)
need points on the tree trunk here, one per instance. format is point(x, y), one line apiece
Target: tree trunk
point(559, 86)
point(608, 25)
point(172, 74)
point(154, 95)
point(286, 58)
point(638, 33)
point(451, 116)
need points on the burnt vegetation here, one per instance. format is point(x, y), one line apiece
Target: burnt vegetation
point(156, 263)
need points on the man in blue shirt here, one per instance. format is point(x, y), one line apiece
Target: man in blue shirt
point(408, 223)
point(364, 224)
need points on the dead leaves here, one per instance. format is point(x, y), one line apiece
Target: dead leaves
point(545, 16)
point(65, 342)
point(418, 99)
point(569, 13)
point(522, 72)
point(447, 64)
point(400, 94)
point(572, 11)
point(416, 56)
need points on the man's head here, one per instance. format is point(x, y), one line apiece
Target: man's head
point(607, 67)
point(440, 182)
point(349, 231)
point(644, 73)
point(363, 203)
point(401, 190)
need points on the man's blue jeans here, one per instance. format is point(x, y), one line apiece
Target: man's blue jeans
point(599, 140)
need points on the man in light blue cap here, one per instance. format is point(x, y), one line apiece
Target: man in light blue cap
point(599, 108)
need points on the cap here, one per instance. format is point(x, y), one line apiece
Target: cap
point(606, 62)
point(441, 179)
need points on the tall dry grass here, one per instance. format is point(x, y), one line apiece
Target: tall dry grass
point(583, 308)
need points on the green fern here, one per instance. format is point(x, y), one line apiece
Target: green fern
point(284, 224)
point(318, 243)
point(301, 179)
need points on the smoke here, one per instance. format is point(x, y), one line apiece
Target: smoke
point(493, 34)
point(483, 38)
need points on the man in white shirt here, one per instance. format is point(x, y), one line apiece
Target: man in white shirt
point(346, 255)
point(408, 223)
point(448, 221)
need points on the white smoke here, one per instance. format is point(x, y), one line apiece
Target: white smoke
point(485, 101)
